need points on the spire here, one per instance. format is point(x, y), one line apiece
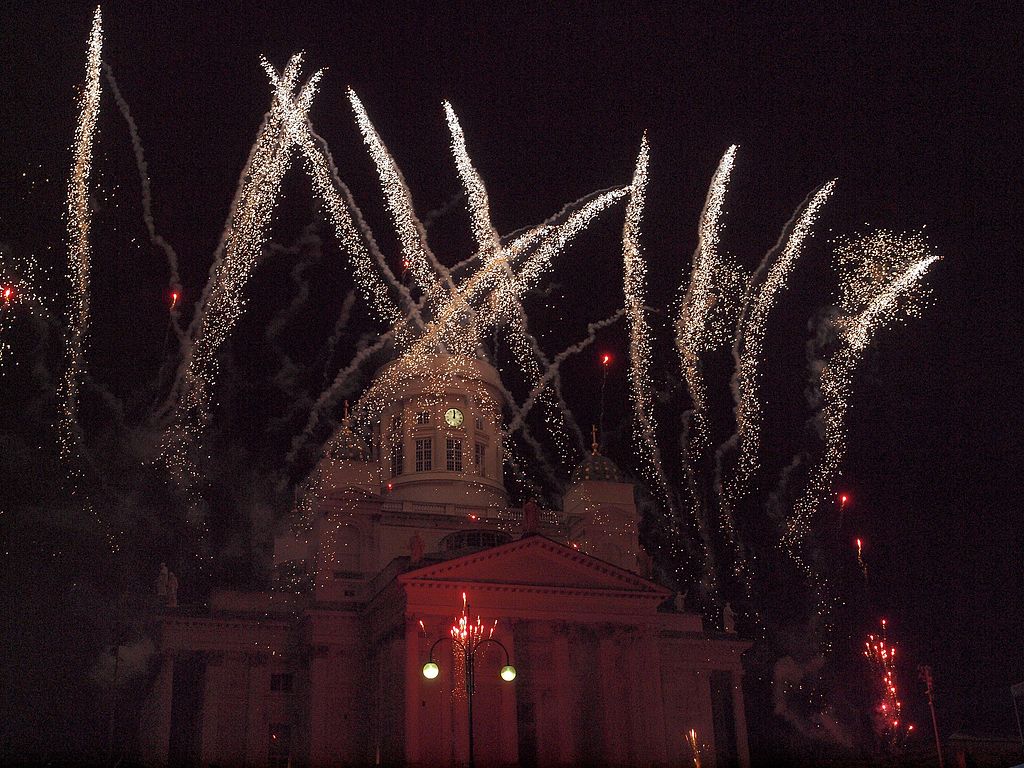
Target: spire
point(593, 436)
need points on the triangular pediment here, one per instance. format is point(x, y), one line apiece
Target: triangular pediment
point(538, 562)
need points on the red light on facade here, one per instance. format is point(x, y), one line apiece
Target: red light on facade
point(606, 359)
point(8, 293)
point(843, 498)
point(174, 299)
point(391, 487)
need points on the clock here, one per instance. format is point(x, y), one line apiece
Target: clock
point(453, 417)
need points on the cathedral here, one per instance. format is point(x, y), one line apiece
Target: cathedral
point(355, 654)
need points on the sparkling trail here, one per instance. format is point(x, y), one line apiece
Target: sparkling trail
point(881, 276)
point(238, 254)
point(641, 385)
point(425, 267)
point(767, 285)
point(79, 249)
point(479, 207)
point(706, 316)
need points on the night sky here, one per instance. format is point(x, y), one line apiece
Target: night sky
point(919, 117)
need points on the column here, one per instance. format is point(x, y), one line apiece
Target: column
point(611, 719)
point(413, 675)
point(739, 714)
point(652, 699)
point(155, 722)
point(563, 694)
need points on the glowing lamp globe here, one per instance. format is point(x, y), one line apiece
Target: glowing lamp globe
point(430, 670)
point(508, 673)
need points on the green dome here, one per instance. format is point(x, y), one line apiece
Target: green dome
point(597, 467)
point(346, 445)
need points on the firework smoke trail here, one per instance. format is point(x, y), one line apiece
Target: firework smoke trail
point(553, 370)
point(348, 224)
point(79, 248)
point(506, 306)
point(174, 286)
point(413, 237)
point(708, 303)
point(223, 301)
point(340, 325)
point(766, 286)
point(558, 416)
point(556, 237)
point(328, 399)
point(881, 274)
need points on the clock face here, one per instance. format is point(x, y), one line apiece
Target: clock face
point(453, 417)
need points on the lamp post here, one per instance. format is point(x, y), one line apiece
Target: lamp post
point(467, 638)
point(925, 673)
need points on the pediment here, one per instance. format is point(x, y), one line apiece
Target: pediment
point(537, 562)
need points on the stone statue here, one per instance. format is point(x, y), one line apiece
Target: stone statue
point(729, 619)
point(172, 590)
point(531, 518)
point(679, 602)
point(644, 563)
point(161, 584)
point(416, 548)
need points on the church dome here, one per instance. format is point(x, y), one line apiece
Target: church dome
point(597, 467)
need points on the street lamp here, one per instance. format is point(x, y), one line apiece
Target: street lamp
point(468, 637)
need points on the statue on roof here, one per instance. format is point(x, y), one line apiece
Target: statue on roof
point(416, 548)
point(531, 518)
point(161, 584)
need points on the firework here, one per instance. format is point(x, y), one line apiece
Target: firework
point(888, 709)
point(641, 386)
point(79, 218)
point(18, 293)
point(223, 301)
point(709, 302)
point(479, 207)
point(767, 285)
point(881, 275)
point(691, 739)
point(417, 256)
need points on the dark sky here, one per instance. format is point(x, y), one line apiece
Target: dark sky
point(917, 116)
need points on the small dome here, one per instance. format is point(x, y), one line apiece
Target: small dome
point(346, 445)
point(597, 467)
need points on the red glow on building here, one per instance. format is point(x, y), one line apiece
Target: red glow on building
point(8, 292)
point(606, 359)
